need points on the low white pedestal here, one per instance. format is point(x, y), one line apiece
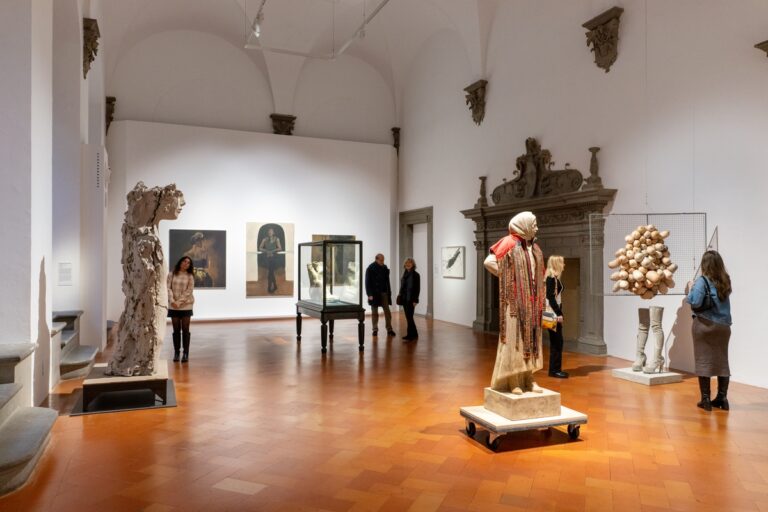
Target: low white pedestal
point(647, 379)
point(523, 407)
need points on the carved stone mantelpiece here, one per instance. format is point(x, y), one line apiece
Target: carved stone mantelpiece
point(603, 37)
point(564, 228)
point(283, 124)
point(91, 36)
point(476, 100)
point(535, 177)
point(763, 46)
point(109, 112)
point(396, 138)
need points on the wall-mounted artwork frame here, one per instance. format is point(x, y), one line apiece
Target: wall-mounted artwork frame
point(269, 265)
point(453, 262)
point(208, 250)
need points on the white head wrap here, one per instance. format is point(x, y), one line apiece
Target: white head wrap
point(524, 225)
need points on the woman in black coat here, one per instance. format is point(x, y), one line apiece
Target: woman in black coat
point(555, 267)
point(410, 287)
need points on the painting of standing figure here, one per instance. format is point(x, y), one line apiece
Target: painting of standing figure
point(208, 251)
point(269, 259)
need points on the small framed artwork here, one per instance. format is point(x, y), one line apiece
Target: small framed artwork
point(452, 262)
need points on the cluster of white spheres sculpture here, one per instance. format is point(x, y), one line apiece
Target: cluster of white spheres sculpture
point(644, 266)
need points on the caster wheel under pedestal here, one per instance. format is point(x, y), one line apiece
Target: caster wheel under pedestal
point(574, 431)
point(471, 429)
point(493, 445)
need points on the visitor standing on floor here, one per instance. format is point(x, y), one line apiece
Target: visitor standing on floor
point(410, 287)
point(709, 297)
point(555, 268)
point(181, 287)
point(379, 293)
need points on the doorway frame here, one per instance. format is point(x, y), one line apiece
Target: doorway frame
point(408, 219)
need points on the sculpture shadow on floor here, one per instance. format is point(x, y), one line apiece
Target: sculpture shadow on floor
point(584, 371)
point(523, 440)
point(680, 340)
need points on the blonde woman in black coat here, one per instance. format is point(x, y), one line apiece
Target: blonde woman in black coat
point(410, 288)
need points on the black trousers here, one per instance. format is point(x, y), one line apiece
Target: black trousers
point(409, 308)
point(271, 276)
point(556, 349)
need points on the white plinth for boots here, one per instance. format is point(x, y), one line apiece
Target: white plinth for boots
point(647, 379)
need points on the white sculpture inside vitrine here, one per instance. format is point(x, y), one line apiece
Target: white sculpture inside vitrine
point(644, 267)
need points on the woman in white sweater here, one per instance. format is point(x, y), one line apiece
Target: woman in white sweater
point(181, 285)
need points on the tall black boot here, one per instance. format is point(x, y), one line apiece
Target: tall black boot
point(176, 346)
point(704, 387)
point(185, 357)
point(721, 400)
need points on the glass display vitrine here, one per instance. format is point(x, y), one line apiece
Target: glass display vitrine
point(331, 285)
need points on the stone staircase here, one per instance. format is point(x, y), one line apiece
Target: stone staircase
point(24, 430)
point(76, 359)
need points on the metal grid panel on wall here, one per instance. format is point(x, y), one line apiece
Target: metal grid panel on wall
point(687, 242)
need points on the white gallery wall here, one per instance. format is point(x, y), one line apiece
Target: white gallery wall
point(681, 119)
point(231, 177)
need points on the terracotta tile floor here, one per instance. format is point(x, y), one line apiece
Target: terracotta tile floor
point(264, 426)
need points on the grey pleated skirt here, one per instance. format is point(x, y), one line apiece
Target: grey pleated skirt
point(710, 347)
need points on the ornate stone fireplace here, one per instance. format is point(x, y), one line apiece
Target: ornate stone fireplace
point(563, 205)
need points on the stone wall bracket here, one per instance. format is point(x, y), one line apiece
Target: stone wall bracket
point(603, 37)
point(91, 36)
point(396, 138)
point(283, 124)
point(475, 98)
point(763, 46)
point(109, 112)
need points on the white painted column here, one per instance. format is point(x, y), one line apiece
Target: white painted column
point(25, 167)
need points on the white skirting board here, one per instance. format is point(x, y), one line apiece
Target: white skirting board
point(648, 379)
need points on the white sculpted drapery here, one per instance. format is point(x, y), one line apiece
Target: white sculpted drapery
point(142, 324)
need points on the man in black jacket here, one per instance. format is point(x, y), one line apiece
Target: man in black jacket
point(379, 293)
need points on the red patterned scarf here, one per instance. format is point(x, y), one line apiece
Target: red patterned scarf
point(523, 289)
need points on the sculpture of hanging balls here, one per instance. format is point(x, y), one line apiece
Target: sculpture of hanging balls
point(644, 266)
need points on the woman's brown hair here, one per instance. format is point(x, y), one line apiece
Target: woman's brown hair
point(712, 266)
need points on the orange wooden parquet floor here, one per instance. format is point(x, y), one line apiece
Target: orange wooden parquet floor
point(265, 426)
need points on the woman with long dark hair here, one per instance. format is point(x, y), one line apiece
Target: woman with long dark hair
point(181, 285)
point(709, 297)
point(410, 288)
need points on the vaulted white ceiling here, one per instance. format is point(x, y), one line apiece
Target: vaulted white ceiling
point(391, 40)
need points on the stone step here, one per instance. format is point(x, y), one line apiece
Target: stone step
point(57, 327)
point(77, 362)
point(68, 336)
point(7, 393)
point(70, 317)
point(23, 438)
point(12, 354)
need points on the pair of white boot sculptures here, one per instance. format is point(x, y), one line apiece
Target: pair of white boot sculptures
point(650, 320)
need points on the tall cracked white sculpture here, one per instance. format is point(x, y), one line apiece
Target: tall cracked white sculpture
point(142, 324)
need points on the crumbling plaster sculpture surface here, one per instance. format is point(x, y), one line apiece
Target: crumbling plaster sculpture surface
point(142, 324)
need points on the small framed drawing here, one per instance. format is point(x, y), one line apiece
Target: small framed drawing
point(452, 262)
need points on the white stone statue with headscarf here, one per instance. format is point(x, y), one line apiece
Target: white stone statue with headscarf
point(519, 264)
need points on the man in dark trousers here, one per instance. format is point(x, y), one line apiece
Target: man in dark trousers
point(379, 293)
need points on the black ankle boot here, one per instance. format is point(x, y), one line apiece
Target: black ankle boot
point(185, 357)
point(721, 400)
point(176, 346)
point(704, 388)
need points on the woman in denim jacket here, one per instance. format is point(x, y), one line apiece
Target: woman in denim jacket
point(711, 328)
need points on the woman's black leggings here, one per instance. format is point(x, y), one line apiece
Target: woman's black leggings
point(181, 324)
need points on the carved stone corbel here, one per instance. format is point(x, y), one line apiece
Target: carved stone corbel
point(109, 112)
point(603, 37)
point(476, 100)
point(91, 36)
point(283, 124)
point(396, 138)
point(763, 46)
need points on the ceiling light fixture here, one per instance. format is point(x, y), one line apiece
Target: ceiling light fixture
point(255, 33)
